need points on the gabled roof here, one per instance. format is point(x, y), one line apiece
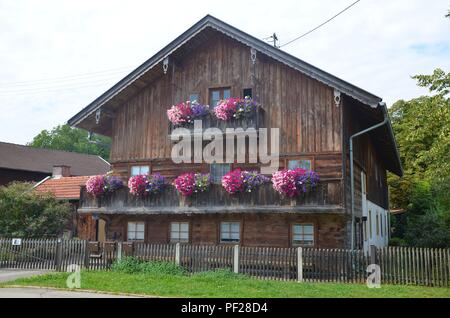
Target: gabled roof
point(141, 76)
point(18, 157)
point(261, 46)
point(67, 188)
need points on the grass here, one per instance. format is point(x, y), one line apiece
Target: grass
point(223, 284)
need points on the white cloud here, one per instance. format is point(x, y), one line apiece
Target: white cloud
point(376, 45)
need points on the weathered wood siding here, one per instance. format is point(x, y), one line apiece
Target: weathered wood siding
point(301, 107)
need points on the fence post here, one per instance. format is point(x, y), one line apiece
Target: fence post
point(87, 255)
point(177, 254)
point(373, 254)
point(119, 251)
point(58, 257)
point(236, 259)
point(299, 265)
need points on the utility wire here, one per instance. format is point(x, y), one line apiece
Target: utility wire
point(319, 26)
point(67, 78)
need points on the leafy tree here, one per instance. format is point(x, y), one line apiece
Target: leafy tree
point(26, 213)
point(422, 129)
point(66, 138)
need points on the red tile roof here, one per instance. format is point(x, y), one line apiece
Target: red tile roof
point(63, 188)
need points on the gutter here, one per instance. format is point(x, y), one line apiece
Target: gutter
point(352, 181)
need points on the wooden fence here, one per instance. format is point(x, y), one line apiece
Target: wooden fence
point(419, 266)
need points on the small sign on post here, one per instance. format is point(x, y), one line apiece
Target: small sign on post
point(16, 242)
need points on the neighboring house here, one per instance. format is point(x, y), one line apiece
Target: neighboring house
point(316, 113)
point(67, 188)
point(24, 163)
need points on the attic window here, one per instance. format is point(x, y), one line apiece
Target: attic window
point(248, 92)
point(217, 94)
point(194, 97)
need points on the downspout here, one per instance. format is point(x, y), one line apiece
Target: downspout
point(352, 181)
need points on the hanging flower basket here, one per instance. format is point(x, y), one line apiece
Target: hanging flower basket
point(234, 108)
point(141, 185)
point(190, 183)
point(102, 184)
point(185, 113)
point(238, 181)
point(292, 183)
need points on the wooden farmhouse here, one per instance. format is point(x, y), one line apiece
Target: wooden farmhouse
point(319, 117)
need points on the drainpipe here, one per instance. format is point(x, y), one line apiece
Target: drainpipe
point(352, 181)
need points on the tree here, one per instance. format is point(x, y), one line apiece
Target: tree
point(26, 213)
point(66, 138)
point(422, 129)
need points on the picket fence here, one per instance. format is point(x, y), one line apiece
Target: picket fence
point(399, 265)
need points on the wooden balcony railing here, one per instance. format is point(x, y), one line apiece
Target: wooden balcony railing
point(327, 197)
point(254, 120)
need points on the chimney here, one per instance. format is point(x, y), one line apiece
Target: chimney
point(61, 171)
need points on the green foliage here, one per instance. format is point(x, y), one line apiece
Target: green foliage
point(66, 138)
point(220, 274)
point(25, 213)
point(131, 265)
point(422, 129)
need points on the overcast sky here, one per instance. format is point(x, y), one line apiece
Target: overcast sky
point(57, 56)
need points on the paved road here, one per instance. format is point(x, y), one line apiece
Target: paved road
point(50, 293)
point(9, 275)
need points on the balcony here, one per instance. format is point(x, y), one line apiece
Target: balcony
point(254, 120)
point(325, 198)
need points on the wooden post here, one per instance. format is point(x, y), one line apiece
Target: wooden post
point(299, 265)
point(373, 254)
point(58, 260)
point(87, 256)
point(236, 259)
point(177, 254)
point(119, 251)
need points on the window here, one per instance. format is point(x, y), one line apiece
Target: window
point(377, 224)
point(230, 232)
point(303, 234)
point(300, 163)
point(381, 224)
point(248, 92)
point(217, 94)
point(179, 232)
point(370, 223)
point(193, 97)
point(136, 231)
point(136, 170)
point(218, 170)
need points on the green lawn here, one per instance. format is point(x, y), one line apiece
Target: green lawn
point(222, 285)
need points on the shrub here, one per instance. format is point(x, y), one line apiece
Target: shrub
point(131, 265)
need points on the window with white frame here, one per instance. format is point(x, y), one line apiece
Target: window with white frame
point(137, 170)
point(179, 232)
point(305, 164)
point(230, 232)
point(136, 231)
point(218, 170)
point(303, 234)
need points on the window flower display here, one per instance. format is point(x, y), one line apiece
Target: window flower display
point(185, 113)
point(243, 181)
point(189, 183)
point(140, 185)
point(234, 108)
point(99, 185)
point(293, 182)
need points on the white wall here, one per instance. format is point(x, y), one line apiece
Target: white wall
point(377, 226)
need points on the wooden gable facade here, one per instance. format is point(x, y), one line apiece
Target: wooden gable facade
point(298, 99)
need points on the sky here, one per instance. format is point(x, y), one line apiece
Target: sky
point(58, 56)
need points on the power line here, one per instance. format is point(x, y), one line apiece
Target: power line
point(322, 24)
point(66, 78)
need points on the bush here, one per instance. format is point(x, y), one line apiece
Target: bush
point(397, 241)
point(131, 265)
point(26, 213)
